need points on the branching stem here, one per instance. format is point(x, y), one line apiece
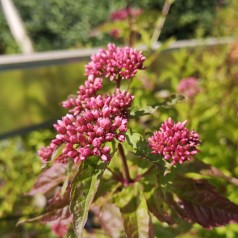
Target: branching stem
point(116, 176)
point(140, 176)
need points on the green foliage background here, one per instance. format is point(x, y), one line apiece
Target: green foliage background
point(213, 115)
point(63, 24)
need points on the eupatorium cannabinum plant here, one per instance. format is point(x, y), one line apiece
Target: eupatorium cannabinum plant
point(97, 160)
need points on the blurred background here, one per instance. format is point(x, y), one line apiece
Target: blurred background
point(44, 46)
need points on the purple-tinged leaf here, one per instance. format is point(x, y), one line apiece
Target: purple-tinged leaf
point(109, 218)
point(199, 202)
point(57, 208)
point(49, 179)
point(84, 187)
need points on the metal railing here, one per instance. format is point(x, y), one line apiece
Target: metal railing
point(65, 56)
point(11, 62)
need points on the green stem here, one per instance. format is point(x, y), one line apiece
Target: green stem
point(127, 177)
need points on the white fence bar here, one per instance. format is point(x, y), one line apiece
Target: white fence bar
point(16, 27)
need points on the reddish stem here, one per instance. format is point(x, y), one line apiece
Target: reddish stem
point(140, 176)
point(127, 179)
point(118, 81)
point(118, 177)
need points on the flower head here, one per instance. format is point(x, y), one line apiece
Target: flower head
point(45, 153)
point(115, 63)
point(60, 229)
point(94, 120)
point(101, 119)
point(189, 87)
point(124, 13)
point(175, 142)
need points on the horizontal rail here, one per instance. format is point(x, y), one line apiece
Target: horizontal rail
point(26, 130)
point(10, 62)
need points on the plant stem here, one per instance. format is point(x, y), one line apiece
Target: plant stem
point(124, 164)
point(140, 176)
point(116, 176)
point(118, 81)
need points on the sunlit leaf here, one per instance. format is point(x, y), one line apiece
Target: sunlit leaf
point(84, 188)
point(155, 203)
point(57, 152)
point(198, 166)
point(135, 214)
point(139, 146)
point(148, 110)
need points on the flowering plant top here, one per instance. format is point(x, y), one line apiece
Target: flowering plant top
point(96, 155)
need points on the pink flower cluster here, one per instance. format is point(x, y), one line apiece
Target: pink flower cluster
point(60, 229)
point(175, 142)
point(124, 13)
point(45, 153)
point(189, 87)
point(115, 63)
point(94, 120)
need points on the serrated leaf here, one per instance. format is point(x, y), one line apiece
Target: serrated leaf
point(200, 202)
point(135, 214)
point(148, 110)
point(84, 188)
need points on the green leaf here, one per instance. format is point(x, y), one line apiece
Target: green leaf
point(148, 110)
point(57, 152)
point(203, 169)
point(155, 203)
point(84, 188)
point(135, 214)
point(139, 146)
point(133, 138)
